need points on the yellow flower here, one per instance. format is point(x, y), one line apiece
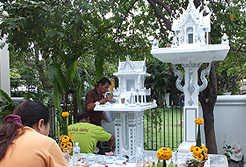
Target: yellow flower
point(164, 153)
point(199, 121)
point(63, 144)
point(65, 138)
point(61, 137)
point(18, 29)
point(191, 148)
point(65, 114)
point(70, 136)
point(204, 149)
point(69, 145)
point(199, 157)
point(206, 156)
point(197, 150)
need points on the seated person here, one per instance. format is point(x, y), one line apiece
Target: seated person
point(88, 134)
point(24, 138)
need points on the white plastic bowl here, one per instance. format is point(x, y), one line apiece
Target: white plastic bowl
point(90, 157)
point(120, 160)
point(109, 159)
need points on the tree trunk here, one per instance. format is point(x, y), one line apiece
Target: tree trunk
point(208, 99)
point(40, 69)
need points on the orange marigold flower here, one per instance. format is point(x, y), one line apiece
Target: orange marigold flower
point(65, 138)
point(61, 137)
point(200, 157)
point(65, 114)
point(164, 153)
point(199, 121)
point(204, 149)
point(197, 150)
point(206, 156)
point(63, 144)
point(69, 145)
point(192, 147)
point(70, 136)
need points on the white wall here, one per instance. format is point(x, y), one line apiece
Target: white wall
point(230, 121)
point(4, 69)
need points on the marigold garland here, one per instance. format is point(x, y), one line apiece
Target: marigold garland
point(65, 114)
point(199, 121)
point(164, 153)
point(66, 141)
point(199, 151)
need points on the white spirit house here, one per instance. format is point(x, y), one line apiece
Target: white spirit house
point(190, 48)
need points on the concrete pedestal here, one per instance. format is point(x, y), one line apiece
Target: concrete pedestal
point(129, 133)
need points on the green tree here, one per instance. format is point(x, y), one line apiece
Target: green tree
point(160, 81)
point(104, 31)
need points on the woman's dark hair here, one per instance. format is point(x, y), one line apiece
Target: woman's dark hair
point(30, 112)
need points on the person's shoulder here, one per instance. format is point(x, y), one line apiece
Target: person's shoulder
point(38, 137)
point(92, 91)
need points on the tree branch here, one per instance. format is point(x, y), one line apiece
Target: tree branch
point(164, 6)
point(163, 31)
point(128, 11)
point(159, 15)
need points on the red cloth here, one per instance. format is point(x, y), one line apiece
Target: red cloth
point(96, 117)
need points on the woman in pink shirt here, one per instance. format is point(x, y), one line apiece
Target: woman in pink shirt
point(24, 140)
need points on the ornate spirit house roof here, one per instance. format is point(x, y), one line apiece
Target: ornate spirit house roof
point(190, 41)
point(133, 67)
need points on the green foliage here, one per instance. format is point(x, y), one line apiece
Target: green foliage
point(228, 151)
point(15, 78)
point(160, 80)
point(7, 105)
point(232, 69)
point(41, 95)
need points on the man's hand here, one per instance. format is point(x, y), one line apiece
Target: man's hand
point(111, 147)
point(109, 98)
point(111, 144)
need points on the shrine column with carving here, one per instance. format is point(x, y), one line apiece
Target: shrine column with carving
point(191, 91)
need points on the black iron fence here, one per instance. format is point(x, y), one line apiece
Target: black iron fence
point(162, 127)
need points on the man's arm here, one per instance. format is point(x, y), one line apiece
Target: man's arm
point(111, 142)
point(92, 105)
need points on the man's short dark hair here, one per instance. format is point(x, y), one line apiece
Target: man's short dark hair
point(82, 115)
point(103, 81)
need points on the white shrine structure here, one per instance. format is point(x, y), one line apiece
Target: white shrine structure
point(190, 48)
point(129, 106)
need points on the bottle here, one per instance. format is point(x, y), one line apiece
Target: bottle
point(159, 164)
point(76, 153)
point(139, 158)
